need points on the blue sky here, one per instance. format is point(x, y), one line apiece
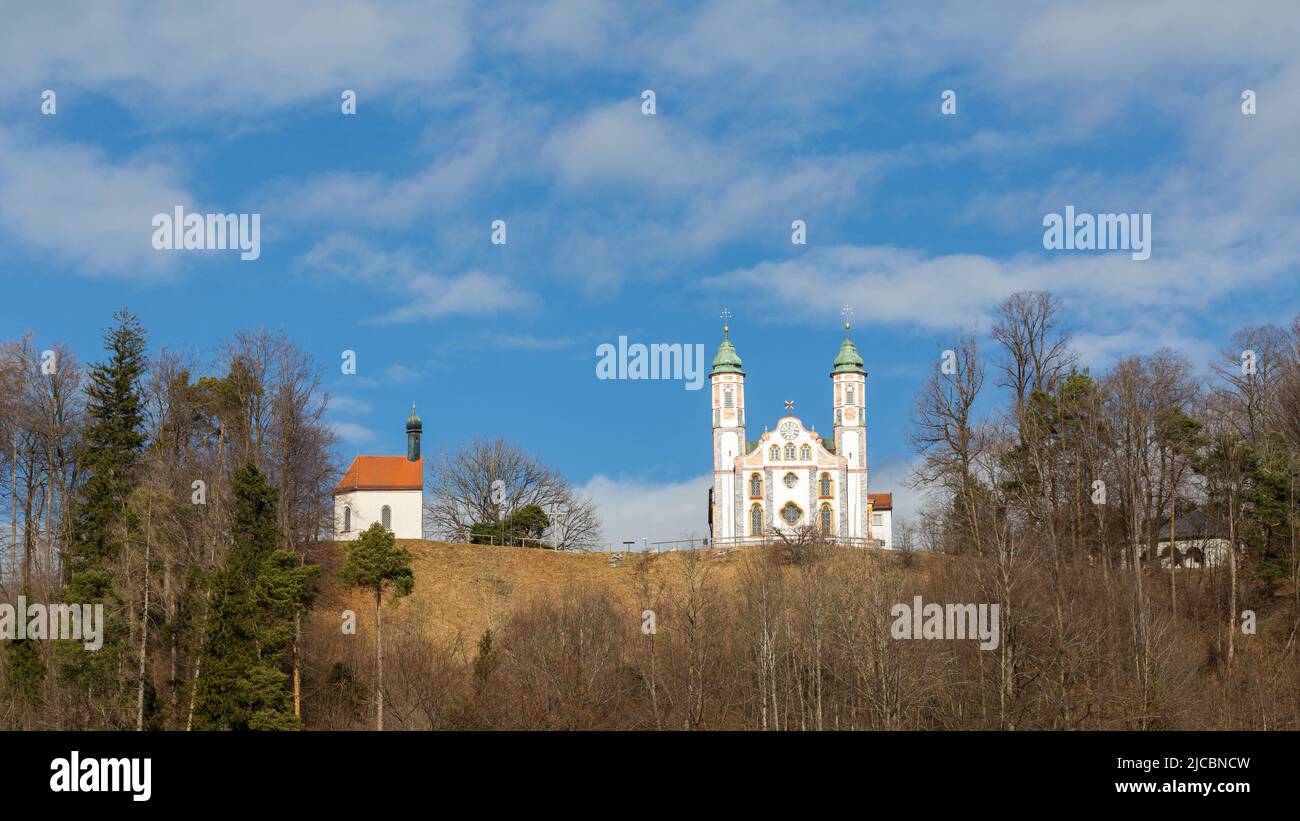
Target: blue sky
point(375, 227)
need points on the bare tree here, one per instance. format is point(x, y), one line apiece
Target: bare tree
point(1252, 370)
point(484, 481)
point(1036, 349)
point(946, 434)
point(573, 524)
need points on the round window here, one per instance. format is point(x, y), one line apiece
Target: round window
point(790, 513)
point(791, 480)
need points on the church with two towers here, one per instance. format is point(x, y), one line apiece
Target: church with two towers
point(790, 477)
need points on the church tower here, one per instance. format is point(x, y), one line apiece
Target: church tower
point(413, 428)
point(849, 385)
point(727, 381)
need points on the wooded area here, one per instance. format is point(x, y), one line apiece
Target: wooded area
point(192, 499)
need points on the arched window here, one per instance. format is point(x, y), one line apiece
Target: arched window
point(756, 486)
point(386, 516)
point(791, 513)
point(726, 398)
point(789, 451)
point(805, 453)
point(825, 489)
point(849, 399)
point(774, 453)
point(347, 519)
point(756, 521)
point(826, 520)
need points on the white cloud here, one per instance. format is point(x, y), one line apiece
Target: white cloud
point(422, 295)
point(235, 59)
point(1120, 302)
point(753, 61)
point(353, 433)
point(632, 509)
point(398, 373)
point(895, 476)
point(342, 403)
point(476, 154)
point(394, 373)
point(430, 297)
point(892, 285)
point(618, 145)
point(72, 204)
point(529, 342)
point(682, 191)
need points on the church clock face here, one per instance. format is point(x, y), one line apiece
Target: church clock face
point(789, 430)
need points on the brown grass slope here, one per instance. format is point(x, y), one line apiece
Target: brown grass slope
point(773, 637)
point(463, 589)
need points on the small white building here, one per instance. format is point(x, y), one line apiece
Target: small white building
point(385, 489)
point(1198, 542)
point(882, 517)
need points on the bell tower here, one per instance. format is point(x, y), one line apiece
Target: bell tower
point(727, 382)
point(849, 397)
point(413, 428)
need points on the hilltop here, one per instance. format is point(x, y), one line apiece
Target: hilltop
point(464, 589)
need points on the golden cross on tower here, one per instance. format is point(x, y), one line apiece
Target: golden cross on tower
point(726, 320)
point(846, 312)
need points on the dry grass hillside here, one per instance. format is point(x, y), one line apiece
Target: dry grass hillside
point(463, 589)
point(780, 637)
point(567, 642)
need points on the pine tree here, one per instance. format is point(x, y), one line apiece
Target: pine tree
point(24, 672)
point(102, 524)
point(374, 560)
point(255, 595)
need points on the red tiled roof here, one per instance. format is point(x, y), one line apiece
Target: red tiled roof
point(881, 501)
point(382, 473)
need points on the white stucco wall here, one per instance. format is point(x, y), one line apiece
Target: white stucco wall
point(1215, 552)
point(367, 505)
point(773, 471)
point(885, 530)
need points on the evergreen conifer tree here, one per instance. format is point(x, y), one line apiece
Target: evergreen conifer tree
point(254, 597)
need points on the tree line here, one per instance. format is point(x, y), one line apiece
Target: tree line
point(802, 635)
point(187, 504)
point(197, 509)
point(1041, 471)
point(192, 499)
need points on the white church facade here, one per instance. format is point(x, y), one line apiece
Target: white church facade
point(790, 477)
point(384, 489)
